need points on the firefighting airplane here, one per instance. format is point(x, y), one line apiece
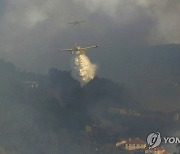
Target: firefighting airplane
point(77, 50)
point(76, 22)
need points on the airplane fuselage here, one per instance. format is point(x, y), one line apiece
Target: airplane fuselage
point(76, 23)
point(78, 50)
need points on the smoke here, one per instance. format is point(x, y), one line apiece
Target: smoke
point(82, 69)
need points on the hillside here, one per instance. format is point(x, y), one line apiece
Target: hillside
point(50, 114)
point(152, 73)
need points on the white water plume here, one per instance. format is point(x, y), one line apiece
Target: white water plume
point(82, 69)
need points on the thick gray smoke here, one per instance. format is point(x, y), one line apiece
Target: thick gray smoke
point(82, 69)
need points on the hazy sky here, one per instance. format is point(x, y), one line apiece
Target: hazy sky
point(31, 31)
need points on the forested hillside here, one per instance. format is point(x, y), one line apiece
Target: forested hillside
point(50, 114)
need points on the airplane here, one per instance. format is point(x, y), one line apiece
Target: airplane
point(77, 50)
point(76, 22)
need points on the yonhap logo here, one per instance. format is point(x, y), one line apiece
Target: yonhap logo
point(172, 140)
point(154, 140)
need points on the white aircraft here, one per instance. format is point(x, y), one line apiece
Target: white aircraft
point(76, 22)
point(78, 50)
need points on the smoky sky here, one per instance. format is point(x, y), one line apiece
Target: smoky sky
point(31, 31)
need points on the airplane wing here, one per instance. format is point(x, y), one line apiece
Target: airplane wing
point(65, 49)
point(71, 23)
point(90, 47)
point(82, 21)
